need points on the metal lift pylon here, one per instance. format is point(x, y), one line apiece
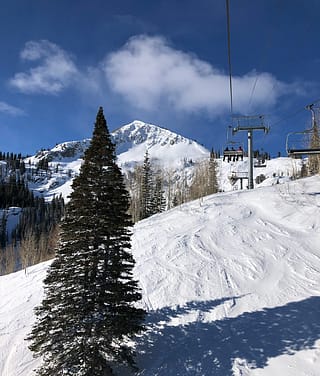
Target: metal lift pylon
point(250, 124)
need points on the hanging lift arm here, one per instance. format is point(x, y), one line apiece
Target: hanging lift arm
point(293, 151)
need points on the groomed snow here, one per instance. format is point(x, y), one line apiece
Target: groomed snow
point(231, 283)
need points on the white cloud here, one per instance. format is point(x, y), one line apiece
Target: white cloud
point(54, 72)
point(10, 110)
point(147, 71)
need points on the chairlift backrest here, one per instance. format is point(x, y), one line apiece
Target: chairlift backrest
point(233, 148)
point(296, 144)
point(233, 154)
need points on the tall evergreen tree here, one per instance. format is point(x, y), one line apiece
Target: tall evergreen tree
point(213, 185)
point(146, 207)
point(87, 316)
point(158, 200)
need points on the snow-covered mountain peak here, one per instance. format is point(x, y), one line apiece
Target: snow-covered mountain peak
point(139, 132)
point(174, 155)
point(167, 150)
point(134, 139)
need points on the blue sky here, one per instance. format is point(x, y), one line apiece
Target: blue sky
point(163, 62)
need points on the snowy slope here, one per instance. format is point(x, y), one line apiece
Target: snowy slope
point(231, 283)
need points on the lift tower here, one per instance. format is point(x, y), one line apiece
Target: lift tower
point(249, 124)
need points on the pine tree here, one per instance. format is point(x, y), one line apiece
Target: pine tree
point(87, 317)
point(158, 200)
point(213, 185)
point(146, 207)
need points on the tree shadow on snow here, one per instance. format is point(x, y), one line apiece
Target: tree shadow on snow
point(209, 348)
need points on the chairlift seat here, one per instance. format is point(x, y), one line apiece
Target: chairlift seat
point(292, 152)
point(296, 141)
point(238, 175)
point(260, 162)
point(233, 153)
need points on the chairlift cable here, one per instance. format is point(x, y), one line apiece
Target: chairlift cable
point(289, 116)
point(263, 58)
point(253, 89)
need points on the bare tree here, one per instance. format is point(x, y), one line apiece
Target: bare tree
point(205, 179)
point(314, 160)
point(8, 259)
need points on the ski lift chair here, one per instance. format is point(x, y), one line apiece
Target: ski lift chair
point(295, 144)
point(233, 151)
point(260, 162)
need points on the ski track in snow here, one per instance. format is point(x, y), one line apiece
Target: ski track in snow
point(230, 282)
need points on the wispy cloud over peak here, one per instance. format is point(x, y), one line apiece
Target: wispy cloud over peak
point(35, 50)
point(54, 72)
point(10, 110)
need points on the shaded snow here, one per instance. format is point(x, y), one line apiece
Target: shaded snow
point(231, 284)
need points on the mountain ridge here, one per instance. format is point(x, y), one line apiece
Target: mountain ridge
point(166, 150)
point(125, 138)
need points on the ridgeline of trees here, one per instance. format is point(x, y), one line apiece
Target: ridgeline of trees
point(34, 237)
point(13, 161)
point(15, 192)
